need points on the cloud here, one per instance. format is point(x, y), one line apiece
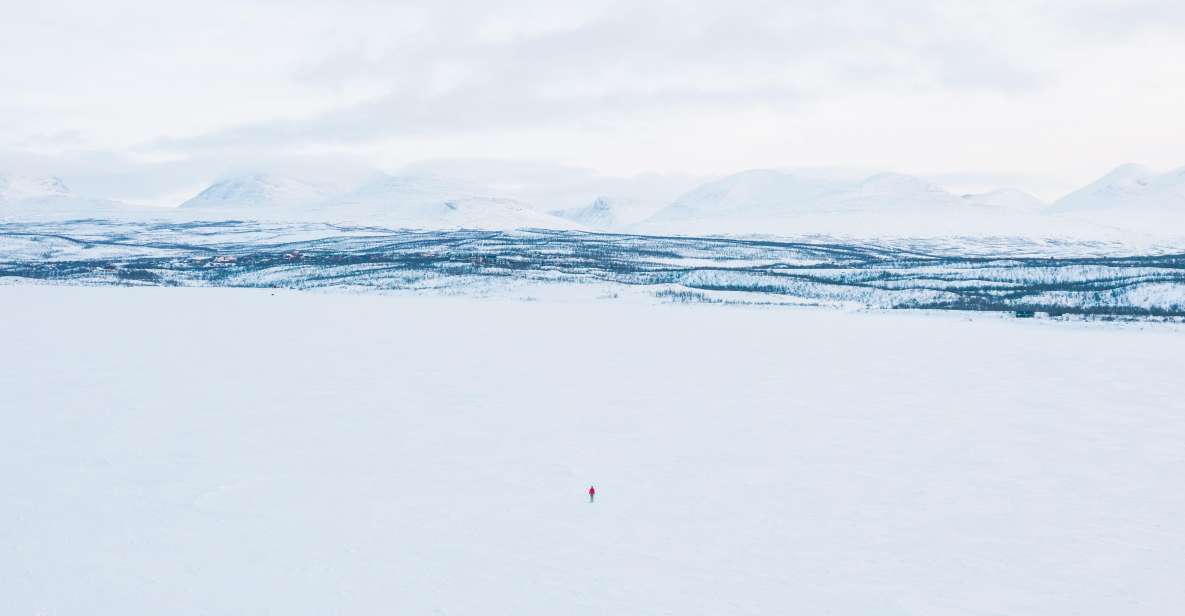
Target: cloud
point(669, 85)
point(1122, 19)
point(627, 60)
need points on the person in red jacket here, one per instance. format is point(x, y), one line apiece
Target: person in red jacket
point(592, 493)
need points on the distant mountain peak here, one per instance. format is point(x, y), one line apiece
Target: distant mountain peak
point(256, 190)
point(600, 214)
point(384, 184)
point(1127, 171)
point(898, 181)
point(1130, 187)
point(431, 201)
point(753, 193)
point(24, 187)
point(1006, 198)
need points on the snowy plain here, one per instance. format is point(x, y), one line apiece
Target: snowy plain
point(1103, 279)
point(234, 451)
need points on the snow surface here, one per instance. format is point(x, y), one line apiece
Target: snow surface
point(555, 187)
point(36, 196)
point(779, 203)
point(1132, 196)
point(24, 197)
point(215, 451)
point(751, 194)
point(602, 214)
point(407, 201)
point(958, 273)
point(433, 202)
point(1131, 204)
point(258, 191)
point(1125, 184)
point(1007, 198)
point(20, 187)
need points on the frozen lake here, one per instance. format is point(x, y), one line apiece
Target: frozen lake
point(231, 451)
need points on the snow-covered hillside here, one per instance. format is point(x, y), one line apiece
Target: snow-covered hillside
point(573, 192)
point(603, 214)
point(599, 214)
point(47, 197)
point(1008, 199)
point(1131, 204)
point(888, 204)
point(259, 190)
point(1000, 274)
point(14, 188)
point(1129, 185)
point(750, 195)
point(766, 202)
point(206, 451)
point(768, 196)
point(892, 191)
point(419, 201)
point(433, 203)
point(1131, 196)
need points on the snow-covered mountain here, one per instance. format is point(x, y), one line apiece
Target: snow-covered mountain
point(604, 213)
point(433, 203)
point(14, 188)
point(778, 202)
point(412, 201)
point(1131, 201)
point(258, 190)
point(773, 202)
point(567, 189)
point(890, 190)
point(748, 195)
point(1008, 199)
point(41, 197)
point(1131, 197)
point(764, 194)
point(1129, 186)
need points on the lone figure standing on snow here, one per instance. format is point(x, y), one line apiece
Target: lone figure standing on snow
point(592, 493)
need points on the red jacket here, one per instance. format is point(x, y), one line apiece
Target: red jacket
point(591, 490)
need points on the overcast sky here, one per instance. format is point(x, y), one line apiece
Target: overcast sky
point(149, 100)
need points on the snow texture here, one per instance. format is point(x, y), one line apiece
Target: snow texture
point(230, 451)
point(601, 214)
point(1133, 197)
point(19, 188)
point(778, 203)
point(258, 191)
point(38, 198)
point(1007, 198)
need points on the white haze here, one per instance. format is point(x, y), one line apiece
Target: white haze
point(147, 101)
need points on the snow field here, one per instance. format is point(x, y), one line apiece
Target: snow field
point(230, 451)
